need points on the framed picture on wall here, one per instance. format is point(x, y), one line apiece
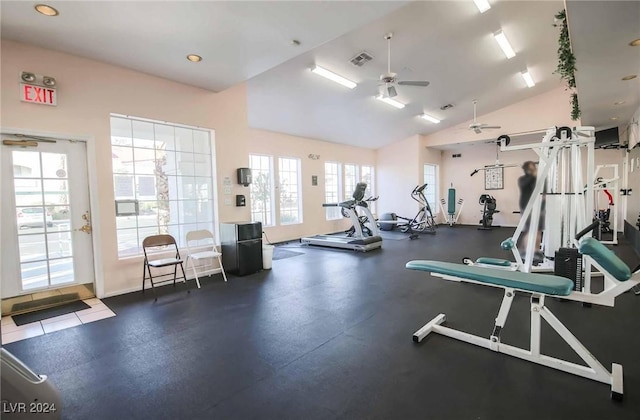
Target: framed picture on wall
point(493, 178)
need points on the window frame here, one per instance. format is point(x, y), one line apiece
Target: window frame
point(435, 184)
point(272, 193)
point(205, 204)
point(330, 212)
point(298, 172)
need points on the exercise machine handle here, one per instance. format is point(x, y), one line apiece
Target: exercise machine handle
point(587, 229)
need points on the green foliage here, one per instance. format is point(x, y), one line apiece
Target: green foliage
point(567, 61)
point(575, 108)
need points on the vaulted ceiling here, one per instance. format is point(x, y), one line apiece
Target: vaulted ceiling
point(449, 43)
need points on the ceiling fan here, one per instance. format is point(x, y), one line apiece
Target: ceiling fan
point(478, 127)
point(390, 79)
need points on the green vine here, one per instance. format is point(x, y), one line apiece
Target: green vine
point(567, 62)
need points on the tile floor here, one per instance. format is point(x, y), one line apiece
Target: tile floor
point(11, 332)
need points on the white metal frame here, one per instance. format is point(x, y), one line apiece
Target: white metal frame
point(556, 156)
point(451, 219)
point(593, 370)
point(612, 185)
point(202, 252)
point(92, 160)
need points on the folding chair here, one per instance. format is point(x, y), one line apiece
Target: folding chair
point(153, 244)
point(201, 246)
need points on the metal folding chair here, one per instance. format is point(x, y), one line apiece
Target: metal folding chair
point(201, 246)
point(160, 244)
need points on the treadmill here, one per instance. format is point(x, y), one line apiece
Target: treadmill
point(357, 241)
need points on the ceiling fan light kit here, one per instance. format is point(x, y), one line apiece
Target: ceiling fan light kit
point(476, 126)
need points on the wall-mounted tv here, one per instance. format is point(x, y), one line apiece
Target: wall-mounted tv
point(607, 138)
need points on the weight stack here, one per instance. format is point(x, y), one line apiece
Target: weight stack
point(568, 264)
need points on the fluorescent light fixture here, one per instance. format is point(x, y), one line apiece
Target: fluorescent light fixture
point(482, 5)
point(528, 79)
point(390, 101)
point(430, 118)
point(502, 40)
point(332, 76)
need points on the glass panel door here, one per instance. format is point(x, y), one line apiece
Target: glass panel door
point(46, 203)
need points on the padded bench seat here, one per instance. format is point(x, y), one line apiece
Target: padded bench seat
point(547, 284)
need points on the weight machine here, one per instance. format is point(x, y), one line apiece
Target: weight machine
point(560, 186)
point(450, 215)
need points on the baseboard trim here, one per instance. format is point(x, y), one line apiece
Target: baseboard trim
point(139, 287)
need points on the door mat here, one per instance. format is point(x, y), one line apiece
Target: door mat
point(281, 254)
point(50, 312)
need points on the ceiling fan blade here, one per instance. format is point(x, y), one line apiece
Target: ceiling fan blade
point(419, 83)
point(491, 127)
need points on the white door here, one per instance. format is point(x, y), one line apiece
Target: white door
point(46, 227)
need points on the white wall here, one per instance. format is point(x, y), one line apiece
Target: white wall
point(88, 91)
point(458, 171)
point(399, 171)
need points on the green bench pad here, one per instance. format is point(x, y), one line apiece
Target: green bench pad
point(494, 261)
point(549, 285)
point(606, 258)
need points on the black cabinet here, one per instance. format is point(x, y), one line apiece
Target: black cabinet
point(241, 247)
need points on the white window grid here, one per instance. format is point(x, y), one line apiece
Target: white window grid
point(290, 191)
point(332, 189)
point(431, 179)
point(350, 180)
point(169, 169)
point(262, 189)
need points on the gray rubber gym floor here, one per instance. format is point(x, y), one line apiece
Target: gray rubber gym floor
point(327, 335)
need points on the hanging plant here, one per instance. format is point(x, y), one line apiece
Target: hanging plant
point(567, 62)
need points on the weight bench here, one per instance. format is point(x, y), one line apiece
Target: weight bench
point(538, 286)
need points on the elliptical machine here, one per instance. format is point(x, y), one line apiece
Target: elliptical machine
point(423, 221)
point(488, 210)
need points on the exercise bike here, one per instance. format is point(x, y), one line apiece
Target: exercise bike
point(423, 221)
point(489, 209)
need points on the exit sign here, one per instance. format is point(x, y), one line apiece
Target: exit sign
point(38, 94)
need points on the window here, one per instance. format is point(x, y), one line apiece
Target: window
point(169, 171)
point(290, 194)
point(350, 180)
point(261, 192)
point(431, 179)
point(332, 189)
point(367, 176)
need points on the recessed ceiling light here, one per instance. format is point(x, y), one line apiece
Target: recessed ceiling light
point(332, 76)
point(430, 118)
point(630, 77)
point(528, 79)
point(614, 118)
point(482, 5)
point(635, 43)
point(46, 10)
point(194, 58)
point(502, 40)
point(390, 101)
point(619, 102)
